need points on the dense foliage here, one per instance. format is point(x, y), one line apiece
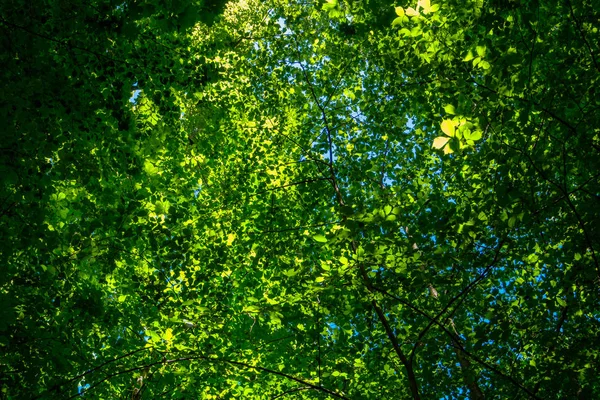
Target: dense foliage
point(296, 199)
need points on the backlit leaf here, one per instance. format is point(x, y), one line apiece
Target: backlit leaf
point(448, 127)
point(440, 142)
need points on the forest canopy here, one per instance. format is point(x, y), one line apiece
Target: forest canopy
point(274, 199)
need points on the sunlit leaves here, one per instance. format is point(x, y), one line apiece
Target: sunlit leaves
point(320, 238)
point(440, 142)
point(448, 127)
point(331, 6)
point(230, 238)
point(278, 174)
point(449, 108)
point(411, 12)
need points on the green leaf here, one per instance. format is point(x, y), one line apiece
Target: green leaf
point(320, 238)
point(251, 309)
point(476, 135)
point(168, 335)
point(449, 108)
point(448, 127)
point(329, 5)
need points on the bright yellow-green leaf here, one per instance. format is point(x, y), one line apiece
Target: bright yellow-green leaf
point(400, 11)
point(290, 272)
point(275, 318)
point(405, 32)
point(440, 142)
point(320, 238)
point(469, 56)
point(251, 309)
point(449, 108)
point(425, 5)
point(150, 168)
point(411, 12)
point(230, 238)
point(153, 335)
point(448, 127)
point(476, 135)
point(329, 5)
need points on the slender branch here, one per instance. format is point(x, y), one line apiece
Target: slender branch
point(463, 292)
point(567, 199)
point(412, 380)
point(62, 43)
point(290, 391)
point(578, 25)
point(301, 227)
point(380, 314)
point(303, 182)
point(327, 129)
point(89, 371)
point(457, 344)
point(215, 360)
point(318, 324)
point(545, 110)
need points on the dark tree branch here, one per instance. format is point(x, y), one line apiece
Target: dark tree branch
point(462, 293)
point(456, 342)
point(215, 360)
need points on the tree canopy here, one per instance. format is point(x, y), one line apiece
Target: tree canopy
point(299, 199)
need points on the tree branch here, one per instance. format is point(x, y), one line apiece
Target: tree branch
point(215, 360)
